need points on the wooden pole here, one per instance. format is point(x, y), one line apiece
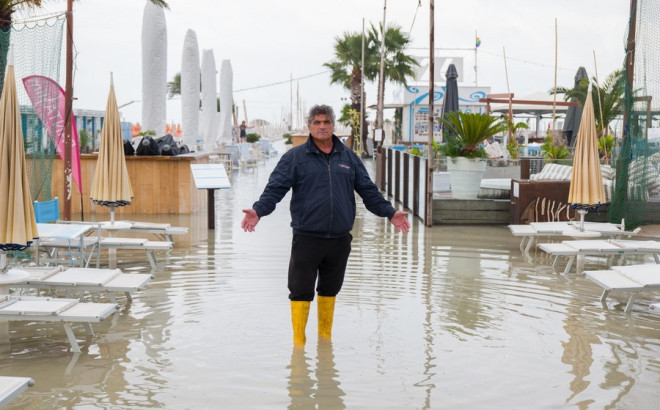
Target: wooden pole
point(508, 90)
point(630, 62)
point(361, 141)
point(381, 86)
point(68, 108)
point(429, 160)
point(245, 116)
point(600, 102)
point(554, 101)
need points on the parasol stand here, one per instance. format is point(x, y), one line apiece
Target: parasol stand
point(582, 212)
point(112, 227)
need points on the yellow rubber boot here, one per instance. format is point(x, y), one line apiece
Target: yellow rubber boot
point(326, 312)
point(299, 315)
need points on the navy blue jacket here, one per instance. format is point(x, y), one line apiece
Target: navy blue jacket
point(323, 198)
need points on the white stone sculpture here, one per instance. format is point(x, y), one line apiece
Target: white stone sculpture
point(154, 69)
point(190, 90)
point(209, 119)
point(226, 103)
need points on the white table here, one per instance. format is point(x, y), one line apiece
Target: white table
point(73, 233)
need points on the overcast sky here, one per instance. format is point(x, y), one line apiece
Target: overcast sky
point(269, 41)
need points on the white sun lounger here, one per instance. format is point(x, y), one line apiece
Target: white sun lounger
point(150, 247)
point(535, 230)
point(631, 278)
point(46, 309)
point(109, 281)
point(10, 387)
point(599, 247)
point(163, 230)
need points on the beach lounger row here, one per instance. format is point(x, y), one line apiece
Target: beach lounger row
point(47, 309)
point(150, 247)
point(10, 387)
point(62, 243)
point(631, 278)
point(599, 247)
point(531, 232)
point(107, 281)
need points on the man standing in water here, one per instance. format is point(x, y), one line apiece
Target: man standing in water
point(324, 175)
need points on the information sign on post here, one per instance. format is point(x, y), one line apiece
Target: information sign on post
point(210, 177)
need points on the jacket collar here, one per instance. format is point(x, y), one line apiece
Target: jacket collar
point(337, 145)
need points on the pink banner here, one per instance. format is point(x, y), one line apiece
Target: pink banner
point(47, 98)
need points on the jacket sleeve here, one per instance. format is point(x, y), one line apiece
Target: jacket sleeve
point(369, 192)
point(279, 183)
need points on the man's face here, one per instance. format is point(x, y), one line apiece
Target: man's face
point(321, 127)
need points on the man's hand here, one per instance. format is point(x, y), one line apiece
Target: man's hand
point(251, 220)
point(400, 221)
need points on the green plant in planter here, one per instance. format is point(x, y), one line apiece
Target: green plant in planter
point(605, 146)
point(83, 140)
point(512, 146)
point(417, 151)
point(145, 133)
point(253, 137)
point(288, 138)
point(467, 131)
point(552, 151)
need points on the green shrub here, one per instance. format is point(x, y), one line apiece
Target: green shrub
point(144, 133)
point(288, 138)
point(552, 151)
point(253, 137)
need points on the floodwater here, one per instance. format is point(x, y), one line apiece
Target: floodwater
point(449, 317)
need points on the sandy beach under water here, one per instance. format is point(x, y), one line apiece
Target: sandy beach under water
point(451, 317)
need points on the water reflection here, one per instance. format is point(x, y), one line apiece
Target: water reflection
point(323, 391)
point(448, 317)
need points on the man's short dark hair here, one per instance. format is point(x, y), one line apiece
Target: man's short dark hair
point(320, 110)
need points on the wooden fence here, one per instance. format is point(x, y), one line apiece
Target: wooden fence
point(403, 177)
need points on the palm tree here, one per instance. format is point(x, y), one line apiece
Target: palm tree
point(174, 86)
point(7, 9)
point(610, 93)
point(347, 64)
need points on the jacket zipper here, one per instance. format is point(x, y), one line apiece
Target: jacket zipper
point(332, 206)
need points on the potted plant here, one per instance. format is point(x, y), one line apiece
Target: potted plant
point(466, 157)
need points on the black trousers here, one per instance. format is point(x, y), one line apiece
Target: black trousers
point(317, 257)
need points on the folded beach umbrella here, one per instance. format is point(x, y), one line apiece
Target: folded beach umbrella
point(586, 190)
point(574, 114)
point(450, 102)
point(18, 227)
point(111, 186)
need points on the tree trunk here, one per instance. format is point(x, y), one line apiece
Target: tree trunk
point(356, 103)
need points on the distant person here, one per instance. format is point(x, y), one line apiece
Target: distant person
point(324, 175)
point(242, 129)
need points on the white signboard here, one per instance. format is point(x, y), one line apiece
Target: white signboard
point(416, 112)
point(210, 176)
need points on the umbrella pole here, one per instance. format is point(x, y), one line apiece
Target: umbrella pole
point(112, 215)
point(3, 261)
point(582, 213)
